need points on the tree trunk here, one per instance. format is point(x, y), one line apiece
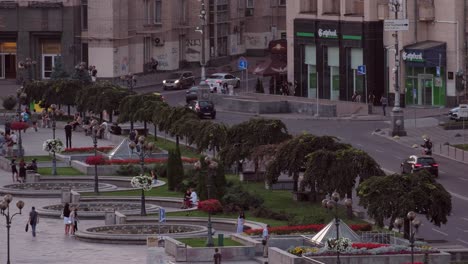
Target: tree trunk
point(177, 141)
point(406, 228)
point(391, 224)
point(145, 127)
point(349, 210)
point(155, 132)
point(296, 181)
point(101, 117)
point(110, 117)
point(68, 110)
point(256, 171)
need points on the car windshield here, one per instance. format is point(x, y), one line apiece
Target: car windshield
point(193, 89)
point(173, 76)
point(205, 103)
point(214, 76)
point(426, 161)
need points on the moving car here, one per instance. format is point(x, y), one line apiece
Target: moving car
point(179, 80)
point(459, 113)
point(204, 108)
point(416, 163)
point(222, 80)
point(195, 91)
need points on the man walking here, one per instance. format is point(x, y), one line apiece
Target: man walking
point(384, 102)
point(33, 220)
point(68, 134)
point(265, 237)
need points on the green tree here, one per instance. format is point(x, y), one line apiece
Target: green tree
point(175, 169)
point(210, 136)
point(393, 196)
point(81, 73)
point(9, 102)
point(58, 72)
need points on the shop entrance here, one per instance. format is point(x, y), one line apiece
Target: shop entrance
point(425, 90)
point(7, 66)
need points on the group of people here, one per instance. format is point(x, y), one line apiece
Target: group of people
point(190, 199)
point(70, 219)
point(19, 174)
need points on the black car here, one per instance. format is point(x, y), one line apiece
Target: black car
point(203, 108)
point(416, 163)
point(179, 80)
point(193, 93)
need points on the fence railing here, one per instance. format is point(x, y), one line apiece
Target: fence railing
point(310, 260)
point(451, 152)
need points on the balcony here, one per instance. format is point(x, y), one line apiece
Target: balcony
point(354, 8)
point(331, 7)
point(308, 7)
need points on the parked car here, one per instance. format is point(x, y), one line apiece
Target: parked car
point(179, 80)
point(416, 163)
point(204, 108)
point(222, 80)
point(459, 113)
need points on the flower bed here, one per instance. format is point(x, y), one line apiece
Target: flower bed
point(313, 228)
point(87, 150)
point(99, 160)
point(210, 206)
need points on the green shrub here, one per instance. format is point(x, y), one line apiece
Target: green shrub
point(236, 198)
point(264, 212)
point(9, 102)
point(160, 170)
point(129, 170)
point(175, 169)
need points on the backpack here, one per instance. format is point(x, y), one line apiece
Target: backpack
point(25, 117)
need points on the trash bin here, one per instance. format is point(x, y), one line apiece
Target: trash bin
point(220, 240)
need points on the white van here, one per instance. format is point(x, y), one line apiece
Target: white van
point(459, 113)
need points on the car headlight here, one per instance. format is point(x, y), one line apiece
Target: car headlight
point(164, 81)
point(177, 81)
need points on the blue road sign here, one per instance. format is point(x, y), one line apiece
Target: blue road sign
point(438, 71)
point(242, 63)
point(162, 215)
point(361, 70)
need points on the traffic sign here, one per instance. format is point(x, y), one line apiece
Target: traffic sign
point(162, 215)
point(396, 25)
point(438, 71)
point(361, 70)
point(242, 63)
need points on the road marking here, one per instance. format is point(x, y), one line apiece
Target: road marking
point(441, 171)
point(378, 150)
point(440, 232)
point(459, 196)
point(466, 219)
point(360, 145)
point(463, 179)
point(462, 230)
point(463, 241)
point(398, 157)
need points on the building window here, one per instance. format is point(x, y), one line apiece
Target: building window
point(153, 11)
point(147, 49)
point(331, 7)
point(282, 2)
point(249, 4)
point(84, 14)
point(183, 13)
point(85, 53)
point(308, 6)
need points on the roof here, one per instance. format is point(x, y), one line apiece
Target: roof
point(425, 45)
point(329, 231)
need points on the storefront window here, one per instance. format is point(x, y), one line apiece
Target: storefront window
point(358, 80)
point(334, 64)
point(424, 87)
point(311, 62)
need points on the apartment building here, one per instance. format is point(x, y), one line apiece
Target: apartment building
point(123, 36)
point(332, 38)
point(39, 31)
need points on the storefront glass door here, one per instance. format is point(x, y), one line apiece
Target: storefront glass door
point(48, 64)
point(2, 66)
point(312, 81)
point(425, 89)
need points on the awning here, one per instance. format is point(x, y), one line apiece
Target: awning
point(425, 54)
point(271, 67)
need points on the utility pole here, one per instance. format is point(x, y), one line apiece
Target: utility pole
point(203, 28)
point(397, 118)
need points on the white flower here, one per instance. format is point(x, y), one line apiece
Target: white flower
point(340, 244)
point(53, 145)
point(142, 182)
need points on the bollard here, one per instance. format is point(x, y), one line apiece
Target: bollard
point(220, 240)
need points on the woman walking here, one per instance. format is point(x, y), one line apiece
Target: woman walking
point(240, 223)
point(14, 170)
point(22, 171)
point(73, 220)
point(66, 218)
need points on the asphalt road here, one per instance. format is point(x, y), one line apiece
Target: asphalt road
point(453, 175)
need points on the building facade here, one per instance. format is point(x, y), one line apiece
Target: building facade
point(40, 32)
point(331, 39)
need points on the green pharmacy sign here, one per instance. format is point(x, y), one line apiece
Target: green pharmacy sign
point(412, 56)
point(327, 33)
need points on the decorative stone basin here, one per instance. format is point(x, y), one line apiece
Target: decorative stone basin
point(138, 233)
point(51, 189)
point(97, 209)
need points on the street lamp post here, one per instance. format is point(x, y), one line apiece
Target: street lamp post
point(413, 229)
point(397, 118)
point(5, 211)
point(143, 149)
point(27, 65)
point(212, 167)
point(202, 31)
point(20, 97)
point(54, 159)
point(95, 130)
point(330, 204)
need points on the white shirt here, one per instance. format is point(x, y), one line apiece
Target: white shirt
point(265, 233)
point(194, 197)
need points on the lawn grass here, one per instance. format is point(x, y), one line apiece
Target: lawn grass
point(462, 146)
point(166, 144)
point(61, 171)
point(38, 158)
point(201, 242)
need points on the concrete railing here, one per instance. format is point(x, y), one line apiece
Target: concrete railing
point(451, 152)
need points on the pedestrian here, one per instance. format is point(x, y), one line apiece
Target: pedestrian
point(32, 166)
point(45, 119)
point(187, 200)
point(265, 237)
point(73, 219)
point(217, 256)
point(384, 102)
point(66, 218)
point(9, 145)
point(154, 177)
point(193, 197)
point(240, 223)
point(14, 170)
point(371, 98)
point(22, 171)
point(34, 119)
point(33, 220)
point(68, 134)
point(75, 223)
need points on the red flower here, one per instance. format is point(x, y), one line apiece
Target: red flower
point(368, 245)
point(88, 149)
point(283, 230)
point(210, 206)
point(147, 160)
point(95, 160)
point(19, 125)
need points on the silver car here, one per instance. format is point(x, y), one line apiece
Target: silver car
point(222, 80)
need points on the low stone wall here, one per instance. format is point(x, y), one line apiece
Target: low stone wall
point(183, 253)
point(278, 256)
point(89, 170)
